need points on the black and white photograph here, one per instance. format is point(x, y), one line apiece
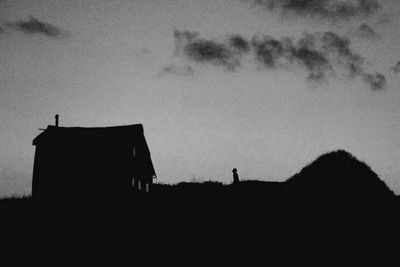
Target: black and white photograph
point(200, 132)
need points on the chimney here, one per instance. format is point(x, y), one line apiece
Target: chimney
point(56, 120)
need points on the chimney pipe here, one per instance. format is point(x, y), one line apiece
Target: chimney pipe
point(56, 120)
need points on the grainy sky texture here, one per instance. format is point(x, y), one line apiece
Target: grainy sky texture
point(263, 86)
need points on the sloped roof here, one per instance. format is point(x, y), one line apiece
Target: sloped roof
point(89, 134)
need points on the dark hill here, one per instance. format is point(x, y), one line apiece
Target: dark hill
point(338, 175)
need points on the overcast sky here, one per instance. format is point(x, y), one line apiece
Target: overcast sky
point(261, 85)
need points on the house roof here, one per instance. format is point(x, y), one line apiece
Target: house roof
point(89, 134)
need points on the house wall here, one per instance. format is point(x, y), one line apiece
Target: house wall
point(44, 180)
point(95, 169)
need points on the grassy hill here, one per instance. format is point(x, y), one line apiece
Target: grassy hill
point(338, 175)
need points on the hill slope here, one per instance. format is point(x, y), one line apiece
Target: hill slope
point(338, 175)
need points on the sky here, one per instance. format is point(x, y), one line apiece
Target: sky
point(264, 86)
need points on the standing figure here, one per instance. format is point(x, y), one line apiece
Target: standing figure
point(235, 176)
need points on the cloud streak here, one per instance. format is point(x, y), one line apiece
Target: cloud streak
point(175, 70)
point(339, 47)
point(201, 50)
point(325, 9)
point(35, 26)
point(376, 81)
point(239, 43)
point(318, 54)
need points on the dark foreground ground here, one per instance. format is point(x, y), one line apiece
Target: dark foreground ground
point(252, 224)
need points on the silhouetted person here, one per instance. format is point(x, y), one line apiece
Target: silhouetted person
point(235, 176)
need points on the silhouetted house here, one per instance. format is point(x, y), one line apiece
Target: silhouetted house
point(77, 162)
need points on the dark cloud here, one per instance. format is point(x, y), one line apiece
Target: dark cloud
point(308, 55)
point(313, 60)
point(365, 31)
point(351, 61)
point(182, 38)
point(34, 26)
point(339, 46)
point(268, 51)
point(396, 68)
point(315, 52)
point(210, 51)
point(319, 54)
point(336, 43)
point(239, 43)
point(273, 53)
point(376, 81)
point(326, 9)
point(177, 70)
point(205, 51)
